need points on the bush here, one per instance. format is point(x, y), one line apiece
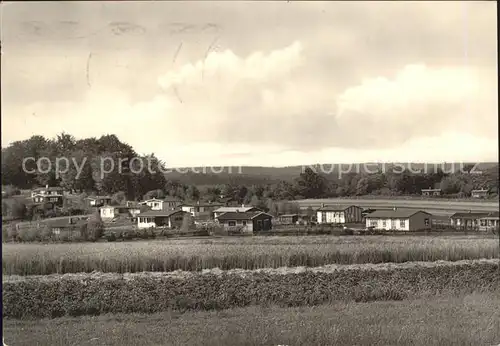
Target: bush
point(111, 236)
point(95, 227)
point(28, 234)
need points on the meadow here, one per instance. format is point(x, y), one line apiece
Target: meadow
point(471, 319)
point(239, 253)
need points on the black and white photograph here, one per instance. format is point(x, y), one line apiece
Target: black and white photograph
point(230, 173)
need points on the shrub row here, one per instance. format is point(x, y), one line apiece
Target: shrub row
point(39, 297)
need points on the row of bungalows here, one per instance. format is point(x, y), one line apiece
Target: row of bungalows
point(381, 219)
point(475, 221)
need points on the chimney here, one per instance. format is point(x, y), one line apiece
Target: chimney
point(198, 202)
point(394, 208)
point(243, 206)
point(47, 186)
point(322, 205)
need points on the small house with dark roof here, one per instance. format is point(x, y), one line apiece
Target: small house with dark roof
point(249, 221)
point(54, 199)
point(47, 190)
point(161, 218)
point(489, 222)
point(339, 214)
point(399, 220)
point(431, 192)
point(167, 203)
point(98, 201)
point(286, 219)
point(242, 209)
point(483, 193)
point(201, 209)
point(109, 212)
point(473, 221)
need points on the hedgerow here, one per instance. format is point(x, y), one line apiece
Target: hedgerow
point(83, 295)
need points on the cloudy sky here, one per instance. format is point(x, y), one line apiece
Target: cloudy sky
point(257, 83)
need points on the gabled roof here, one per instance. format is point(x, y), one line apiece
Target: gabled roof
point(46, 196)
point(235, 209)
point(249, 215)
point(473, 215)
point(335, 207)
point(394, 214)
point(288, 215)
point(494, 214)
point(480, 190)
point(160, 213)
point(50, 188)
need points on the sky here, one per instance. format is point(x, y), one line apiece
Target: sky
point(257, 83)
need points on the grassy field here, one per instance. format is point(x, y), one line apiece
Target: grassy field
point(465, 320)
point(235, 252)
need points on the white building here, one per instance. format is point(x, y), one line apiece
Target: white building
point(161, 218)
point(399, 220)
point(339, 214)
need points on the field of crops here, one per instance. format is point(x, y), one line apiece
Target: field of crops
point(239, 252)
point(239, 275)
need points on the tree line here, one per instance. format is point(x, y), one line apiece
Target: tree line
point(126, 183)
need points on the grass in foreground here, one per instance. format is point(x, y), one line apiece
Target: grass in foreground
point(466, 320)
point(243, 253)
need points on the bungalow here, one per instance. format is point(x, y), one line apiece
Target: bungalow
point(201, 209)
point(109, 212)
point(431, 192)
point(479, 193)
point(168, 203)
point(470, 221)
point(50, 198)
point(339, 214)
point(98, 201)
point(47, 190)
point(242, 209)
point(161, 218)
point(399, 220)
point(249, 221)
point(287, 219)
point(489, 222)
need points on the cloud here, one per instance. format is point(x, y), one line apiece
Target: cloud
point(419, 101)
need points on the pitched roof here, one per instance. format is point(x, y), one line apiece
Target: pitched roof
point(50, 188)
point(472, 215)
point(335, 207)
point(394, 214)
point(158, 213)
point(241, 215)
point(47, 196)
point(494, 214)
point(235, 209)
point(288, 215)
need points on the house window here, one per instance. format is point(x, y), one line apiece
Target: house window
point(244, 223)
point(231, 223)
point(402, 223)
point(426, 222)
point(384, 223)
point(373, 223)
point(483, 222)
